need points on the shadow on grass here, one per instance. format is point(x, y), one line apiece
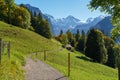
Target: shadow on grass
point(84, 58)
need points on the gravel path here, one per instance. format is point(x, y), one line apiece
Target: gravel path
point(37, 70)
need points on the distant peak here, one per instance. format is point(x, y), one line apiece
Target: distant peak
point(70, 16)
point(27, 4)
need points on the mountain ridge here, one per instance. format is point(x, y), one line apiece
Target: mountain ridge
point(33, 9)
point(68, 23)
point(105, 25)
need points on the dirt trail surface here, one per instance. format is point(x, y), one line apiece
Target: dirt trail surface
point(37, 70)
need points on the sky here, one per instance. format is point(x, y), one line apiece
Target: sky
point(63, 8)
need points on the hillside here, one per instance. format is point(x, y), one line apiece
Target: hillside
point(24, 42)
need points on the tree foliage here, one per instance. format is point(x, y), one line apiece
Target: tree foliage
point(13, 14)
point(77, 36)
point(115, 33)
point(44, 29)
point(41, 26)
point(81, 43)
point(3, 11)
point(117, 53)
point(109, 44)
point(95, 47)
point(111, 7)
point(64, 39)
point(69, 36)
point(21, 17)
point(11, 6)
point(61, 32)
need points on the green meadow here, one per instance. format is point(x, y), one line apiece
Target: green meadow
point(25, 43)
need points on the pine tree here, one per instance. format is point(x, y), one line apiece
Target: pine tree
point(69, 36)
point(61, 32)
point(73, 43)
point(77, 36)
point(95, 47)
point(44, 29)
point(40, 16)
point(35, 14)
point(81, 42)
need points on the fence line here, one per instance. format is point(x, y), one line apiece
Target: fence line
point(45, 54)
point(68, 61)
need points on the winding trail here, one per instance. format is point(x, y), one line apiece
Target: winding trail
point(37, 70)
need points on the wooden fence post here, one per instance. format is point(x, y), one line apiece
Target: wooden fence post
point(36, 53)
point(0, 50)
point(44, 55)
point(8, 49)
point(68, 64)
point(3, 46)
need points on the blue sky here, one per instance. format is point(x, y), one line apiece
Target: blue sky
point(63, 8)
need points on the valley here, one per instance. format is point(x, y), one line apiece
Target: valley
point(59, 40)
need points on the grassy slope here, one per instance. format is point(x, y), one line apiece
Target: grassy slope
point(24, 42)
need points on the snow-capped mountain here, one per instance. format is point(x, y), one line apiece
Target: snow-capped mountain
point(71, 23)
point(90, 22)
point(64, 24)
point(68, 23)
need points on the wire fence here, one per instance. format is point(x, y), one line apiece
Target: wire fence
point(51, 56)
